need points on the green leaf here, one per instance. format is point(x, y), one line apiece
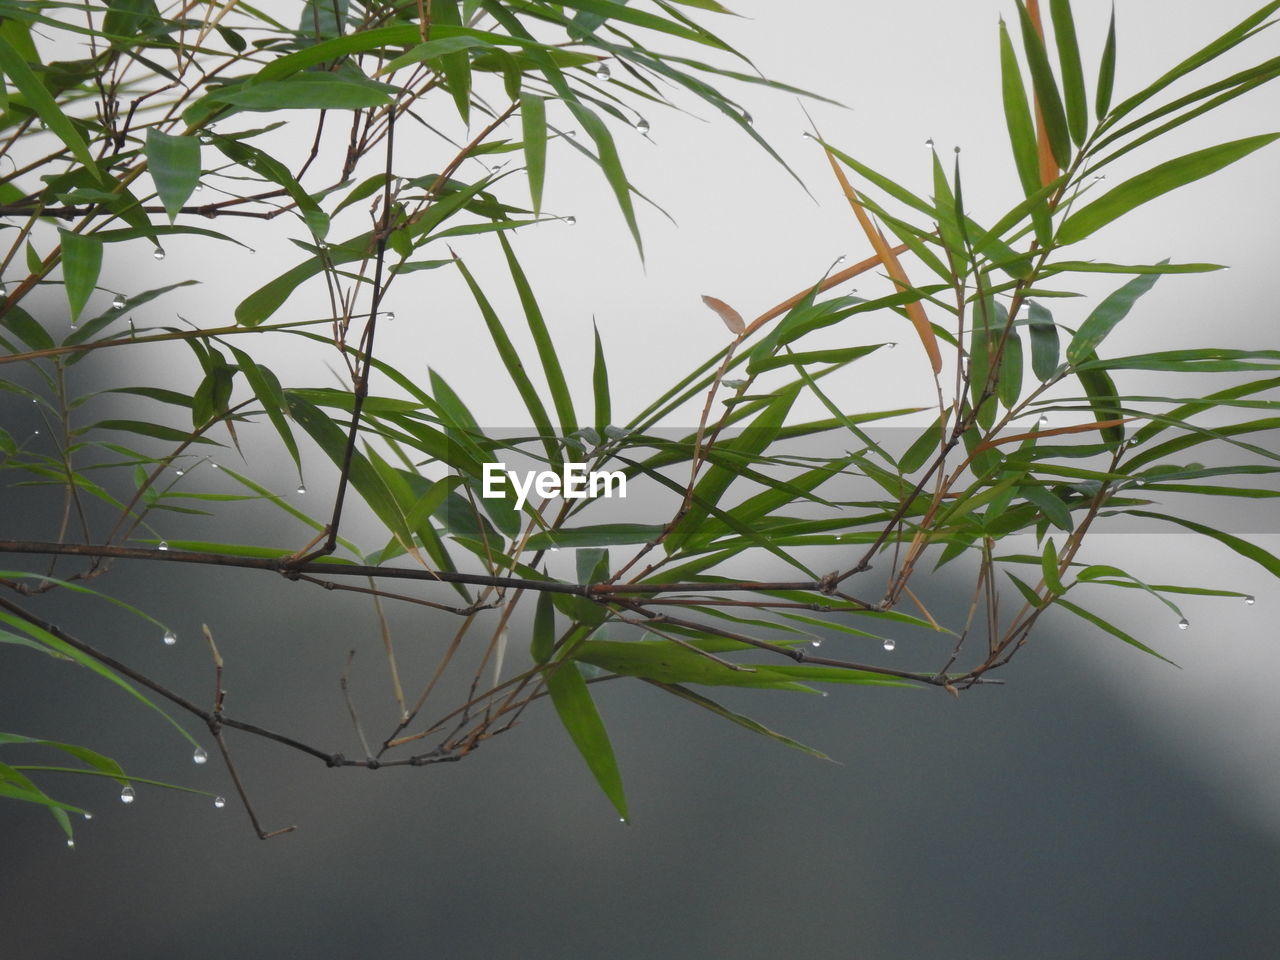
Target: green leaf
point(551, 368)
point(1045, 349)
point(706, 703)
point(611, 164)
point(582, 721)
point(1103, 398)
point(515, 366)
point(14, 66)
point(922, 448)
point(1017, 116)
point(1049, 567)
point(81, 263)
point(1107, 70)
point(1157, 181)
point(56, 643)
point(1009, 386)
point(435, 49)
point(1064, 34)
point(750, 444)
point(1111, 629)
point(533, 121)
point(175, 167)
point(600, 385)
point(1243, 547)
point(1046, 90)
point(1106, 315)
point(266, 387)
point(308, 91)
point(598, 535)
point(1054, 510)
point(544, 630)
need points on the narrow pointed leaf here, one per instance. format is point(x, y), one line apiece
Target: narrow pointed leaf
point(1045, 348)
point(600, 385)
point(1064, 34)
point(1048, 100)
point(1157, 181)
point(533, 121)
point(582, 721)
point(1106, 70)
point(14, 66)
point(1106, 315)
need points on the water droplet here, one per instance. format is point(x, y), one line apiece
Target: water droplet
point(841, 259)
point(555, 549)
point(571, 133)
point(170, 638)
point(157, 254)
point(199, 187)
point(1100, 176)
point(302, 488)
point(253, 161)
point(602, 72)
point(88, 815)
point(642, 125)
point(71, 843)
point(825, 693)
point(807, 135)
point(1184, 623)
point(200, 757)
point(815, 642)
point(180, 472)
point(118, 302)
point(128, 794)
point(213, 466)
point(1250, 601)
point(571, 221)
point(73, 325)
point(891, 344)
point(219, 802)
point(929, 143)
point(389, 315)
point(205, 138)
point(162, 545)
point(747, 117)
point(1042, 422)
point(889, 644)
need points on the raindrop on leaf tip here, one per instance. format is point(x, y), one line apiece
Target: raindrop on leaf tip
point(170, 638)
point(1250, 601)
point(219, 802)
point(815, 642)
point(200, 756)
point(118, 302)
point(571, 221)
point(71, 843)
point(157, 253)
point(162, 545)
point(642, 125)
point(302, 488)
point(889, 645)
point(128, 794)
point(1184, 623)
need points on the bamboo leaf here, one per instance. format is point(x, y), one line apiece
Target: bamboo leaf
point(81, 263)
point(14, 66)
point(1106, 70)
point(1155, 182)
point(533, 121)
point(706, 703)
point(551, 367)
point(1064, 34)
point(1106, 315)
point(1048, 99)
point(544, 630)
point(307, 91)
point(582, 721)
point(1111, 629)
point(174, 163)
point(600, 384)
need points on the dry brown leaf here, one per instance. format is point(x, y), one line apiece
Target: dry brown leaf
point(890, 260)
point(1074, 428)
point(1048, 165)
point(731, 317)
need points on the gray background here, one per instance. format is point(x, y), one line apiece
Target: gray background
point(1101, 804)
